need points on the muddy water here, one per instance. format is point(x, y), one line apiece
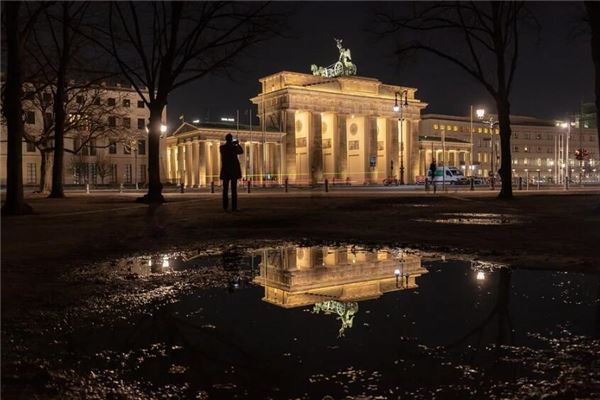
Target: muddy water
point(308, 322)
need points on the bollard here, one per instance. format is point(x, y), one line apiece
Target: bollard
point(249, 183)
point(181, 188)
point(87, 188)
point(472, 183)
point(212, 187)
point(326, 185)
point(286, 185)
point(538, 182)
point(426, 185)
point(121, 188)
point(520, 183)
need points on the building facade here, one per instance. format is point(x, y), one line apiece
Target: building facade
point(537, 146)
point(112, 154)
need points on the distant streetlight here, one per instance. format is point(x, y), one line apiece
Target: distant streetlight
point(491, 121)
point(480, 276)
point(398, 108)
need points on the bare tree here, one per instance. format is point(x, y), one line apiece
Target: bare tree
point(16, 31)
point(485, 38)
point(69, 65)
point(161, 46)
point(89, 117)
point(593, 19)
point(103, 166)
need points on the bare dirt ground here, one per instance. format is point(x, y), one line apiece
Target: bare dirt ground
point(547, 231)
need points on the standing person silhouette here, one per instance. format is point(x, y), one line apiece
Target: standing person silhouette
point(230, 169)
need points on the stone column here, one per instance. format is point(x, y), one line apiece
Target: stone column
point(202, 163)
point(282, 167)
point(290, 157)
point(180, 163)
point(315, 148)
point(168, 163)
point(216, 156)
point(209, 161)
point(196, 162)
point(173, 174)
point(188, 165)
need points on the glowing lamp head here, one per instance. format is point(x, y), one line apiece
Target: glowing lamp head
point(396, 107)
point(397, 272)
point(480, 112)
point(163, 128)
point(480, 276)
point(165, 262)
point(564, 125)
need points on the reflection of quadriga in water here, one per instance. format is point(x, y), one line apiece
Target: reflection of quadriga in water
point(334, 279)
point(344, 310)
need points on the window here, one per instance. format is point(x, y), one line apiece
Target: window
point(92, 146)
point(525, 149)
point(142, 173)
point(112, 122)
point(126, 122)
point(47, 97)
point(112, 147)
point(48, 118)
point(516, 149)
point(31, 173)
point(113, 173)
point(525, 161)
point(127, 173)
point(141, 147)
point(435, 126)
point(539, 162)
point(538, 136)
point(516, 135)
point(539, 149)
point(97, 101)
point(111, 102)
point(485, 130)
point(141, 123)
point(30, 147)
point(140, 104)
point(455, 128)
point(479, 130)
point(126, 103)
point(79, 99)
point(353, 145)
point(30, 117)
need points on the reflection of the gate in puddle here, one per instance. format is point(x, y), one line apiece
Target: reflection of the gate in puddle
point(300, 276)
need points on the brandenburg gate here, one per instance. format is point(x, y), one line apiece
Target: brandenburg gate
point(328, 124)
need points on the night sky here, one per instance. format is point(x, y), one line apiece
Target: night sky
point(554, 75)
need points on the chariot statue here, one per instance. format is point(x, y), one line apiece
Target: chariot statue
point(343, 66)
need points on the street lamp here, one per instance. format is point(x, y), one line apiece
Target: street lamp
point(398, 108)
point(491, 121)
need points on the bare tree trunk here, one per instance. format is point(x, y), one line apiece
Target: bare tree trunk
point(154, 194)
point(593, 10)
point(15, 201)
point(505, 171)
point(59, 112)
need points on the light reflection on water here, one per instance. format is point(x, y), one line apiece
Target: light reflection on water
point(401, 325)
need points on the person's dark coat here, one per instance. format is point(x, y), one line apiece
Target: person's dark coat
point(230, 165)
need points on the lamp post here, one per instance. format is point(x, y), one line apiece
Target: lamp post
point(491, 121)
point(567, 125)
point(398, 108)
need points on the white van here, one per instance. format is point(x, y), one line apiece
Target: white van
point(454, 176)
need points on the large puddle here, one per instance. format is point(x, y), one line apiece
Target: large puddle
point(310, 322)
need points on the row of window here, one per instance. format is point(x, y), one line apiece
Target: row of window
point(112, 121)
point(456, 128)
point(89, 149)
point(83, 173)
point(111, 101)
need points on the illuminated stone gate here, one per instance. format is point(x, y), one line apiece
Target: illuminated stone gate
point(340, 126)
